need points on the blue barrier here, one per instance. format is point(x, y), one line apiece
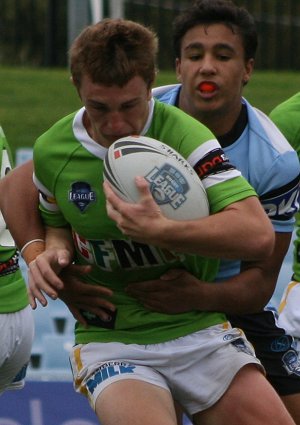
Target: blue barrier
point(45, 403)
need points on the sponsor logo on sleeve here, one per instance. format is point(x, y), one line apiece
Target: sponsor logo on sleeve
point(281, 204)
point(214, 162)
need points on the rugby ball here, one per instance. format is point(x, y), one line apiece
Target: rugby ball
point(173, 183)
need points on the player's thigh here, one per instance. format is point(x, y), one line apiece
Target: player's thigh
point(17, 331)
point(179, 413)
point(250, 399)
point(135, 402)
point(292, 403)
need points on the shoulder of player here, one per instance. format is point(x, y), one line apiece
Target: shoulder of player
point(53, 149)
point(266, 133)
point(166, 94)
point(51, 139)
point(173, 117)
point(292, 104)
point(286, 117)
point(278, 165)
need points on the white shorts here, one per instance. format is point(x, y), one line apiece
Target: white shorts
point(197, 369)
point(17, 333)
point(289, 312)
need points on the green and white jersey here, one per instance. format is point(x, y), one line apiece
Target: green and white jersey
point(286, 117)
point(13, 293)
point(69, 174)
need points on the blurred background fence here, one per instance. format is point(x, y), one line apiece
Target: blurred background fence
point(38, 32)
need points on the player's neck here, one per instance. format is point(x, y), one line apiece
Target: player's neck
point(227, 139)
point(220, 122)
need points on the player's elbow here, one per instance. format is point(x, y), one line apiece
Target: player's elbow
point(263, 244)
point(259, 230)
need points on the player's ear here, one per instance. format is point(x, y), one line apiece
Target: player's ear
point(75, 85)
point(178, 69)
point(249, 65)
point(149, 94)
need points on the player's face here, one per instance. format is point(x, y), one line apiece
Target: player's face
point(213, 71)
point(113, 112)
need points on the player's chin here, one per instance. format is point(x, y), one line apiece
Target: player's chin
point(208, 104)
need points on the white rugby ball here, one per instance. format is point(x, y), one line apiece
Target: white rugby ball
point(173, 183)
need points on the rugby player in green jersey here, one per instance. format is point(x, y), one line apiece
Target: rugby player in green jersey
point(286, 116)
point(122, 364)
point(16, 319)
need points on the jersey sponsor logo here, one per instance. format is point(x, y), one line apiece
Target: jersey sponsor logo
point(106, 371)
point(281, 204)
point(281, 344)
point(168, 186)
point(240, 345)
point(81, 195)
point(9, 266)
point(229, 337)
point(125, 254)
point(214, 162)
point(94, 320)
point(291, 362)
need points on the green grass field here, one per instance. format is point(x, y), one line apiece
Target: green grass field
point(33, 99)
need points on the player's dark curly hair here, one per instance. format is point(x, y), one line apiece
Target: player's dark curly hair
point(206, 12)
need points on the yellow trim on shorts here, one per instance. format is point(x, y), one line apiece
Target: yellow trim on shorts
point(290, 286)
point(226, 326)
point(79, 367)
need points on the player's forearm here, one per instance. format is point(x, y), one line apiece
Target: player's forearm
point(59, 238)
point(246, 293)
point(251, 290)
point(240, 231)
point(237, 232)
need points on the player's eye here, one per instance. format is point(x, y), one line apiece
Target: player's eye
point(224, 54)
point(224, 57)
point(126, 107)
point(195, 57)
point(100, 108)
point(130, 106)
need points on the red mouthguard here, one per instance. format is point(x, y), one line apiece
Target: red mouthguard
point(207, 87)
